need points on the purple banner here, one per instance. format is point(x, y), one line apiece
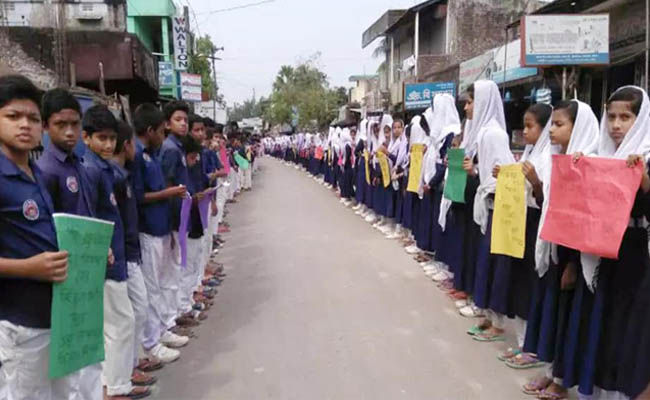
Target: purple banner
point(186, 207)
point(204, 207)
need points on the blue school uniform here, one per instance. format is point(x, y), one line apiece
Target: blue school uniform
point(347, 188)
point(147, 175)
point(128, 206)
point(174, 167)
point(100, 174)
point(67, 182)
point(470, 235)
point(27, 230)
point(360, 173)
point(198, 182)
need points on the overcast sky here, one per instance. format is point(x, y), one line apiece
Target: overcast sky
point(259, 39)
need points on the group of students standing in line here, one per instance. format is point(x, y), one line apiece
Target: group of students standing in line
point(583, 319)
point(135, 177)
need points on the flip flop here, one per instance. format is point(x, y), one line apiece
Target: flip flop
point(534, 387)
point(545, 395)
point(475, 330)
point(524, 361)
point(489, 338)
point(509, 354)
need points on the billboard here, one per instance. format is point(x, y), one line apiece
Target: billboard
point(179, 34)
point(190, 87)
point(565, 39)
point(501, 64)
point(165, 73)
point(420, 95)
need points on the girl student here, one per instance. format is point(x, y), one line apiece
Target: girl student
point(514, 281)
point(347, 175)
point(377, 140)
point(398, 154)
point(383, 201)
point(360, 168)
point(373, 130)
point(418, 132)
point(492, 148)
point(445, 126)
point(574, 129)
point(595, 355)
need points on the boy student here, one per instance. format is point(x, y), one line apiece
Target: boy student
point(99, 135)
point(128, 207)
point(155, 232)
point(29, 257)
point(174, 166)
point(68, 183)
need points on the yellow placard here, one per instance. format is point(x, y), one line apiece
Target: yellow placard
point(509, 218)
point(366, 156)
point(385, 168)
point(330, 155)
point(415, 168)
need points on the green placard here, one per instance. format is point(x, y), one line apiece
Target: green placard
point(77, 335)
point(457, 177)
point(241, 161)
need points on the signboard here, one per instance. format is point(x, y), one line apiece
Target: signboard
point(420, 95)
point(565, 39)
point(492, 64)
point(181, 58)
point(165, 73)
point(190, 87)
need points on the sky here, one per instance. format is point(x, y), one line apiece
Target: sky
point(260, 39)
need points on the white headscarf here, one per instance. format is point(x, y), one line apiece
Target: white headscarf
point(487, 106)
point(362, 134)
point(584, 139)
point(492, 145)
point(418, 135)
point(346, 138)
point(536, 154)
point(443, 120)
point(336, 139)
point(399, 149)
point(637, 139)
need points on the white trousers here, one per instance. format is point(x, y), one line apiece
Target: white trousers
point(240, 179)
point(222, 196)
point(247, 179)
point(189, 274)
point(25, 355)
point(153, 261)
point(139, 301)
point(170, 280)
point(119, 330)
point(232, 178)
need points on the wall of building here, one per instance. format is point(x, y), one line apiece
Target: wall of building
point(151, 8)
point(28, 54)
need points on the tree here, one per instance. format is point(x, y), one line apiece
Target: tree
point(201, 64)
point(248, 109)
point(302, 96)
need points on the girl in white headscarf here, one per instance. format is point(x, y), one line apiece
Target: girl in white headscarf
point(574, 129)
point(328, 156)
point(418, 132)
point(373, 143)
point(347, 174)
point(492, 147)
point(398, 154)
point(444, 122)
point(382, 201)
point(360, 168)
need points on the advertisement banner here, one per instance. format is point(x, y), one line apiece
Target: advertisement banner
point(420, 95)
point(165, 73)
point(179, 35)
point(190, 87)
point(577, 39)
point(501, 64)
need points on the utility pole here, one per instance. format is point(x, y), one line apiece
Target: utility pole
point(214, 79)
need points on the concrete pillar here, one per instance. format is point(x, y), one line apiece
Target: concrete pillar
point(416, 50)
point(164, 24)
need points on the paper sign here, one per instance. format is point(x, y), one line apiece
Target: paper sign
point(319, 153)
point(223, 157)
point(590, 203)
point(366, 156)
point(385, 168)
point(415, 169)
point(241, 161)
point(204, 207)
point(330, 156)
point(456, 176)
point(509, 218)
point(77, 332)
point(186, 208)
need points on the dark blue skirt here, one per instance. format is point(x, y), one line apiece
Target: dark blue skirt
point(360, 184)
point(407, 210)
point(347, 188)
point(486, 266)
point(399, 203)
point(464, 251)
point(436, 230)
point(424, 226)
point(391, 198)
point(379, 200)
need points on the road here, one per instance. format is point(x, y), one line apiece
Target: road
point(318, 305)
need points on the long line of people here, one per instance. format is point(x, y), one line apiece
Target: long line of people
point(136, 177)
point(582, 320)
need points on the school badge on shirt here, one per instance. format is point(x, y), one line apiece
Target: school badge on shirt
point(146, 157)
point(113, 201)
point(72, 184)
point(128, 192)
point(184, 162)
point(30, 210)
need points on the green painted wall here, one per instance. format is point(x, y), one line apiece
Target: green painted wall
point(150, 8)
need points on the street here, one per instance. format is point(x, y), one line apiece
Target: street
point(318, 305)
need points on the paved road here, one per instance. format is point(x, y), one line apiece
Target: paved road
point(318, 305)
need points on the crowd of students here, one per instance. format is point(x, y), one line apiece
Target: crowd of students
point(584, 321)
point(135, 176)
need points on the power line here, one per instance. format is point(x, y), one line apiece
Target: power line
point(237, 7)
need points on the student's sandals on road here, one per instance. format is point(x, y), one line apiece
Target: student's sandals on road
point(138, 392)
point(536, 385)
point(553, 392)
point(149, 364)
point(524, 361)
point(142, 379)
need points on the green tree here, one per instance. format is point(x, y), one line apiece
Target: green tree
point(201, 64)
point(248, 109)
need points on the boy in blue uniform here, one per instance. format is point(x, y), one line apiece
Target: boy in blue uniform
point(99, 135)
point(29, 257)
point(68, 184)
point(174, 166)
point(153, 197)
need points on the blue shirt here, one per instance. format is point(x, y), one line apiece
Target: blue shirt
point(128, 206)
point(198, 183)
point(148, 177)
point(67, 182)
point(100, 173)
point(174, 166)
point(27, 230)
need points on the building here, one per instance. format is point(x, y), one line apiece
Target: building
point(366, 93)
point(152, 22)
point(427, 42)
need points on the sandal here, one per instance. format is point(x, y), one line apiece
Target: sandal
point(524, 361)
point(142, 379)
point(149, 365)
point(489, 336)
point(475, 330)
point(546, 395)
point(536, 386)
point(509, 354)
